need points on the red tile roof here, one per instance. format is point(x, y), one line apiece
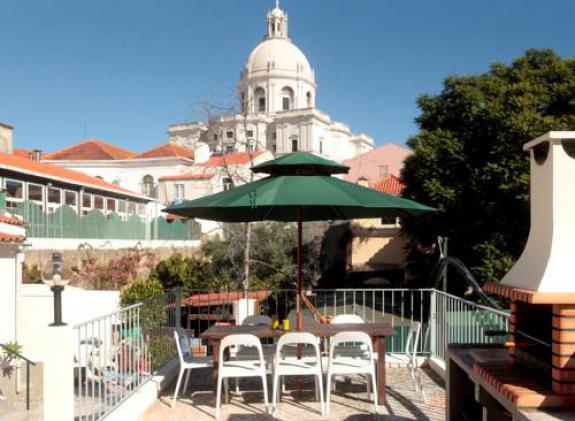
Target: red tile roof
point(389, 185)
point(167, 150)
point(219, 298)
point(40, 169)
point(22, 152)
point(11, 238)
point(88, 150)
point(234, 158)
point(11, 220)
point(186, 177)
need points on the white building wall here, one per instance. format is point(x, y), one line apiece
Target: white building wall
point(8, 292)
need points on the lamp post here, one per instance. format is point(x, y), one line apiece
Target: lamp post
point(53, 275)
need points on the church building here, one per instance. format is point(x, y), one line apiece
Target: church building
point(276, 112)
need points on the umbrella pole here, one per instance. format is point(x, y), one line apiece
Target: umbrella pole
point(299, 267)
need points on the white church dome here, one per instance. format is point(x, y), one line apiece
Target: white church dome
point(278, 54)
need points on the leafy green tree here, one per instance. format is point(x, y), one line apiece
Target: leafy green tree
point(178, 271)
point(468, 160)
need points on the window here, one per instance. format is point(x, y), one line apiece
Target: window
point(14, 189)
point(308, 99)
point(122, 206)
point(178, 191)
point(111, 205)
point(383, 171)
point(320, 146)
point(227, 183)
point(35, 192)
point(141, 209)
point(274, 148)
point(148, 185)
point(70, 198)
point(54, 195)
point(131, 207)
point(294, 145)
point(215, 136)
point(87, 200)
point(230, 134)
point(249, 133)
point(98, 202)
point(389, 220)
point(274, 135)
point(287, 98)
point(229, 149)
point(260, 98)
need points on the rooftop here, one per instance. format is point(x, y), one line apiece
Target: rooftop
point(167, 150)
point(235, 158)
point(90, 149)
point(390, 185)
point(27, 166)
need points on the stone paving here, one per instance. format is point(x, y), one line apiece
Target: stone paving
point(349, 402)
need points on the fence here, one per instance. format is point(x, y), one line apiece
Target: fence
point(118, 352)
point(444, 318)
point(65, 222)
point(455, 320)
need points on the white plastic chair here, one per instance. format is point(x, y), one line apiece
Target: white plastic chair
point(187, 361)
point(249, 353)
point(345, 365)
point(411, 345)
point(290, 366)
point(240, 368)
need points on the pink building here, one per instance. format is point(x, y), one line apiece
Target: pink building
point(377, 164)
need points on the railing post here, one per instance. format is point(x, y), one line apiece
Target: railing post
point(178, 303)
point(433, 322)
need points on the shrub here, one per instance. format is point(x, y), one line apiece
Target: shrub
point(140, 289)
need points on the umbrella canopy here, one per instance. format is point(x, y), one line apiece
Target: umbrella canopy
point(299, 188)
point(275, 198)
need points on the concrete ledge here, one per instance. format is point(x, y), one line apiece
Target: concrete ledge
point(437, 365)
point(138, 403)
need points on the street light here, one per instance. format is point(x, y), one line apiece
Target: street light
point(53, 274)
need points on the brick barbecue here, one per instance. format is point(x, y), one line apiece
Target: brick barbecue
point(541, 287)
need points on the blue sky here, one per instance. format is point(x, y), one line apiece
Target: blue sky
point(124, 70)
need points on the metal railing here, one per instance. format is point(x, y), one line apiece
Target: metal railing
point(117, 353)
point(16, 355)
point(444, 318)
point(455, 320)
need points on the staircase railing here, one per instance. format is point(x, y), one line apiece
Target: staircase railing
point(19, 356)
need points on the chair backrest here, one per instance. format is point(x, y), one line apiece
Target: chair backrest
point(244, 339)
point(412, 341)
point(257, 320)
point(297, 338)
point(347, 318)
point(307, 318)
point(357, 339)
point(182, 344)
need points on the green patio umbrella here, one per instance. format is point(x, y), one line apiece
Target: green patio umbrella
point(299, 187)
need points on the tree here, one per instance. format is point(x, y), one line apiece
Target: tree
point(468, 160)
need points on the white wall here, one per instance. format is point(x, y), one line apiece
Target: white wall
point(8, 288)
point(36, 312)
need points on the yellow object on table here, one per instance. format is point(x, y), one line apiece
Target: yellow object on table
point(285, 324)
point(275, 324)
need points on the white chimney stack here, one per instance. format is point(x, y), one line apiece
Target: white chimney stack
point(547, 262)
point(6, 140)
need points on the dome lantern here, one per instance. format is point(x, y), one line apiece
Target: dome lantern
point(277, 23)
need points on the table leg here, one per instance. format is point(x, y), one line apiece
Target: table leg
point(379, 346)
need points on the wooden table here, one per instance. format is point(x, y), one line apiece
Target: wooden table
point(377, 331)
